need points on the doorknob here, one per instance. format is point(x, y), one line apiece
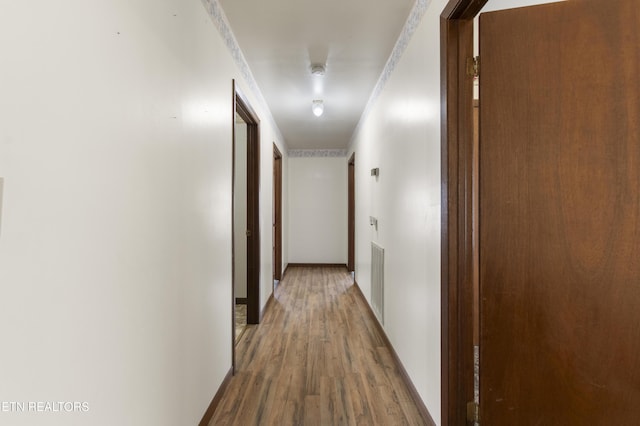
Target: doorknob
point(248, 232)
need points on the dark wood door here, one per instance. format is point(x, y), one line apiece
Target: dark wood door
point(277, 214)
point(560, 214)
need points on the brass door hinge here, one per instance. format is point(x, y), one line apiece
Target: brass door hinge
point(473, 66)
point(473, 412)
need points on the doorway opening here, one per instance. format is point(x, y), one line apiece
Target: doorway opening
point(277, 216)
point(245, 214)
point(240, 226)
point(351, 258)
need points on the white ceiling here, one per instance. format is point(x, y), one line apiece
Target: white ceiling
point(280, 39)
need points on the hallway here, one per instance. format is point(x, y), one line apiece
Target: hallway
point(316, 359)
point(118, 224)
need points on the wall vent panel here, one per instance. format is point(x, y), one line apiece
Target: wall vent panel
point(377, 281)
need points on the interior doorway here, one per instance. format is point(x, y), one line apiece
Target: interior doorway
point(277, 216)
point(245, 211)
point(351, 257)
point(240, 225)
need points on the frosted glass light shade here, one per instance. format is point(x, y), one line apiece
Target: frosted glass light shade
point(317, 107)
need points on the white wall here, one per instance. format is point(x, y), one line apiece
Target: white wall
point(510, 4)
point(400, 134)
point(285, 211)
point(115, 251)
point(317, 210)
point(240, 211)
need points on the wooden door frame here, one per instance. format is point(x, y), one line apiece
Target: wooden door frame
point(456, 47)
point(277, 212)
point(351, 215)
point(242, 107)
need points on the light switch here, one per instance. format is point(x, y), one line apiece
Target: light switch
point(373, 222)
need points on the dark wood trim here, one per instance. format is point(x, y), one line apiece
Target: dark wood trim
point(351, 214)
point(475, 181)
point(317, 265)
point(424, 411)
point(456, 41)
point(462, 9)
point(243, 108)
point(208, 415)
point(241, 300)
point(233, 218)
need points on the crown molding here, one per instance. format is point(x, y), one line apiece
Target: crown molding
point(325, 153)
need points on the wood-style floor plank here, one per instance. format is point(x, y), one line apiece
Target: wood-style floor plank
point(316, 359)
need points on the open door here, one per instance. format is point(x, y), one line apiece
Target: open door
point(560, 214)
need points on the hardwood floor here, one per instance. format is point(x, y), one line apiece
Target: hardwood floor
point(316, 359)
point(241, 320)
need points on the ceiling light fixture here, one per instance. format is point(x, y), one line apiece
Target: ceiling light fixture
point(318, 69)
point(317, 107)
